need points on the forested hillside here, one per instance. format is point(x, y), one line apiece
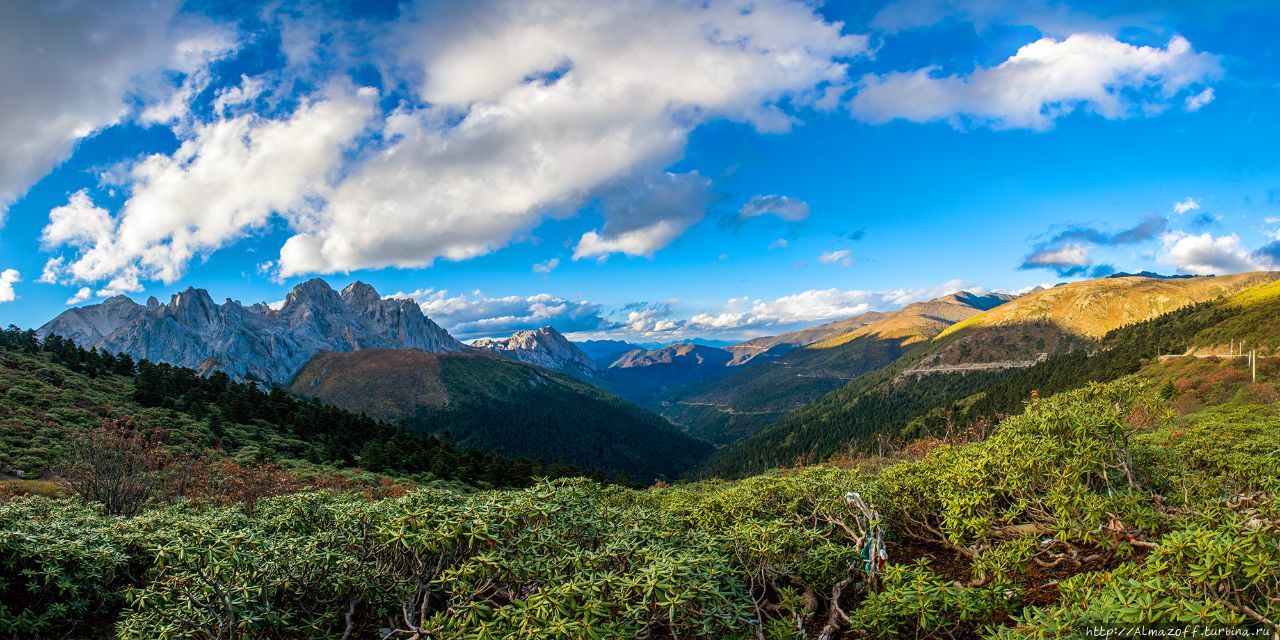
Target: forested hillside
point(494, 404)
point(897, 404)
point(53, 393)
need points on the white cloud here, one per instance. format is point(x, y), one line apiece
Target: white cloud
point(546, 266)
point(248, 91)
point(1041, 82)
point(649, 320)
point(644, 216)
point(1185, 206)
point(68, 70)
point(191, 59)
point(1206, 254)
point(1272, 220)
point(80, 296)
point(225, 180)
point(1068, 255)
point(8, 278)
point(1199, 100)
point(785, 207)
point(476, 315)
point(534, 106)
point(842, 257)
point(811, 306)
point(780, 243)
point(918, 294)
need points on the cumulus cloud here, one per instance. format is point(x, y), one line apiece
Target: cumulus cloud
point(841, 257)
point(814, 305)
point(647, 319)
point(784, 207)
point(744, 316)
point(226, 179)
point(1069, 251)
point(80, 296)
point(1268, 254)
point(1043, 81)
point(780, 243)
point(67, 72)
point(1206, 254)
point(8, 278)
point(476, 315)
point(917, 294)
point(1186, 205)
point(546, 266)
point(532, 106)
point(645, 215)
point(1199, 100)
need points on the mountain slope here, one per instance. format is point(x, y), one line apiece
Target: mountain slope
point(495, 404)
point(604, 352)
point(1074, 315)
point(780, 344)
point(544, 347)
point(900, 404)
point(644, 374)
point(725, 409)
point(256, 342)
point(53, 394)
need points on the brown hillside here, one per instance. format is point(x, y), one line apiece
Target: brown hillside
point(1072, 315)
point(358, 381)
point(745, 351)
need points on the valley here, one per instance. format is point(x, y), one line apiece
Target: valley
point(869, 468)
point(639, 320)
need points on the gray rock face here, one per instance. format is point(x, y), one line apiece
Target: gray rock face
point(254, 342)
point(543, 347)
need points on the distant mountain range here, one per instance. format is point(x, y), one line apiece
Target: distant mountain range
point(255, 342)
point(791, 374)
point(359, 351)
point(1044, 342)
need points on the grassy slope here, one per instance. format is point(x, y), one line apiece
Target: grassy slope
point(884, 402)
point(495, 404)
point(1111, 512)
point(729, 408)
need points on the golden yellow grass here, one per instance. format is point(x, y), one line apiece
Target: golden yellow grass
point(1094, 307)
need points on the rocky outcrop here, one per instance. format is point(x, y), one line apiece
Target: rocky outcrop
point(253, 342)
point(544, 347)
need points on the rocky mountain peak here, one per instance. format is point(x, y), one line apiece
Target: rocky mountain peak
point(314, 292)
point(253, 342)
point(544, 347)
point(360, 292)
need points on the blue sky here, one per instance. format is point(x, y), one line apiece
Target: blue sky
point(648, 170)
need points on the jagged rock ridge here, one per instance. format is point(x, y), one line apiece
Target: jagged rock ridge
point(544, 347)
point(254, 342)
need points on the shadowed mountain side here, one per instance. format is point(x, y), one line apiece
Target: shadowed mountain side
point(604, 352)
point(643, 375)
point(494, 404)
